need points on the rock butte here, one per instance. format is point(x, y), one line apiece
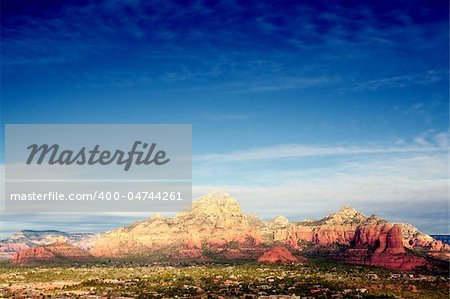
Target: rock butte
point(215, 224)
point(278, 254)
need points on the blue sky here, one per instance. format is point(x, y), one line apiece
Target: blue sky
point(297, 108)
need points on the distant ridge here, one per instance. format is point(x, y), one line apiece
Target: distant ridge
point(42, 231)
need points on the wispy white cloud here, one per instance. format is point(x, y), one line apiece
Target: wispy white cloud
point(287, 83)
point(287, 151)
point(425, 78)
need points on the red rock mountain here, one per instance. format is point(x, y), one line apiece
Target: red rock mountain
point(215, 227)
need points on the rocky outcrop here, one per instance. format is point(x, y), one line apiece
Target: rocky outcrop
point(278, 254)
point(347, 216)
point(413, 238)
point(58, 251)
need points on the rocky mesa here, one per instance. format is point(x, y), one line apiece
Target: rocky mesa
point(32, 238)
point(56, 252)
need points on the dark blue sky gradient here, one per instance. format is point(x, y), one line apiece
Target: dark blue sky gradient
point(143, 61)
point(245, 74)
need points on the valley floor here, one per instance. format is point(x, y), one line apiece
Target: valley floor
point(313, 280)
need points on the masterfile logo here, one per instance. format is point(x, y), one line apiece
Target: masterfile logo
point(94, 156)
point(98, 167)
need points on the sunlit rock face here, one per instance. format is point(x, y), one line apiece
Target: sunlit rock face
point(214, 221)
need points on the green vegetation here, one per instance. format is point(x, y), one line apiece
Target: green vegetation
point(318, 279)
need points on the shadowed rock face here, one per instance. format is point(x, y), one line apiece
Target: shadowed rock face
point(58, 251)
point(380, 238)
point(216, 227)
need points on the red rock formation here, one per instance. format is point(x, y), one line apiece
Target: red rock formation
point(278, 254)
point(393, 254)
point(57, 251)
point(369, 236)
point(337, 228)
point(394, 242)
point(382, 246)
point(327, 236)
